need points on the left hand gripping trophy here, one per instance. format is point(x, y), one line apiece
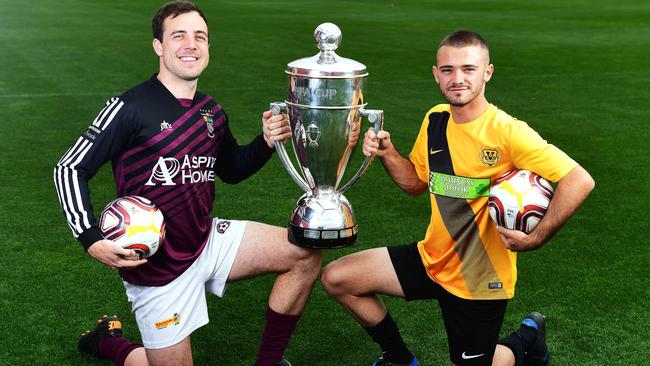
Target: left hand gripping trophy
point(325, 106)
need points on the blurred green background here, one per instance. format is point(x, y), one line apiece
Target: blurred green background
point(576, 71)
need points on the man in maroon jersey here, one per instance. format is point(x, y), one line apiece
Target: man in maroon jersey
point(167, 142)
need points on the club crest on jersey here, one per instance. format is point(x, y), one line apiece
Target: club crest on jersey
point(209, 122)
point(489, 157)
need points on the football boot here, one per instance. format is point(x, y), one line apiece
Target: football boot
point(107, 326)
point(537, 352)
point(382, 362)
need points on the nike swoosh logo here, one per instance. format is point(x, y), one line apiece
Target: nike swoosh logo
point(432, 151)
point(468, 357)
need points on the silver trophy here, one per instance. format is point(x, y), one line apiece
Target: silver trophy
point(325, 106)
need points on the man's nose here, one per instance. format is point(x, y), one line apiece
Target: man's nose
point(189, 43)
point(458, 77)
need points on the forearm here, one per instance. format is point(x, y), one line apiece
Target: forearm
point(571, 191)
point(402, 172)
point(237, 163)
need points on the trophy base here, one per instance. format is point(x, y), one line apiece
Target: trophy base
point(323, 220)
point(322, 239)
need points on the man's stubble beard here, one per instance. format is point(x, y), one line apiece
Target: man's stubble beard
point(459, 102)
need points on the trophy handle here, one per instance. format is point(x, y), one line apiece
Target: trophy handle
point(375, 116)
point(277, 108)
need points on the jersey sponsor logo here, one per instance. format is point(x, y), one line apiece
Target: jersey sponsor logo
point(209, 122)
point(164, 125)
point(432, 151)
point(489, 157)
point(465, 356)
point(193, 169)
point(173, 320)
point(164, 171)
point(458, 187)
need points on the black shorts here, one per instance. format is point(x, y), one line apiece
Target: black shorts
point(472, 326)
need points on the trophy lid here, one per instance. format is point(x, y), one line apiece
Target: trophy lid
point(327, 64)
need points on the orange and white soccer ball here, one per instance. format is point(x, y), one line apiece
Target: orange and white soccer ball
point(134, 223)
point(519, 199)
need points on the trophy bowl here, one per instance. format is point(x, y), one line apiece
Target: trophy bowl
point(325, 107)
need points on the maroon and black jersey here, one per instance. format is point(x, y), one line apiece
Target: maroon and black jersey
point(163, 149)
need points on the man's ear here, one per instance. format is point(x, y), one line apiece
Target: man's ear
point(488, 73)
point(157, 47)
point(434, 70)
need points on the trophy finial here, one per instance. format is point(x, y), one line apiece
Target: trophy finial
point(327, 37)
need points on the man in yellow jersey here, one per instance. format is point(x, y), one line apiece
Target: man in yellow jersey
point(465, 261)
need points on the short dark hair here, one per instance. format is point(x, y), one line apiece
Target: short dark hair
point(464, 38)
point(172, 9)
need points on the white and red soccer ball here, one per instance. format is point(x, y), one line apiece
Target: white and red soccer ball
point(519, 199)
point(134, 223)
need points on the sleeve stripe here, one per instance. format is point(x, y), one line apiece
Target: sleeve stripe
point(75, 182)
point(110, 118)
point(100, 116)
point(68, 187)
point(72, 152)
point(62, 185)
point(57, 183)
point(61, 191)
point(97, 122)
point(65, 173)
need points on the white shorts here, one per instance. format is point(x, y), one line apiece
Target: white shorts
point(168, 314)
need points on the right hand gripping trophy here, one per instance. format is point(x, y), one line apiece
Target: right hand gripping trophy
point(325, 106)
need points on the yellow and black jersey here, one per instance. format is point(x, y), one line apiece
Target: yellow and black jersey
point(462, 250)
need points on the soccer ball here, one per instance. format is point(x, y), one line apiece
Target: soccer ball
point(134, 223)
point(519, 199)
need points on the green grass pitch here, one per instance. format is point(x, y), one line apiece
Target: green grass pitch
point(576, 70)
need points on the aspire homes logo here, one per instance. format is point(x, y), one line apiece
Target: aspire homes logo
point(193, 169)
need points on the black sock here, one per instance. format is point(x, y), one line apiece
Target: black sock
point(518, 342)
point(516, 345)
point(392, 345)
point(527, 334)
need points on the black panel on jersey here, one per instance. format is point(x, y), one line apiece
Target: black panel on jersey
point(437, 140)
